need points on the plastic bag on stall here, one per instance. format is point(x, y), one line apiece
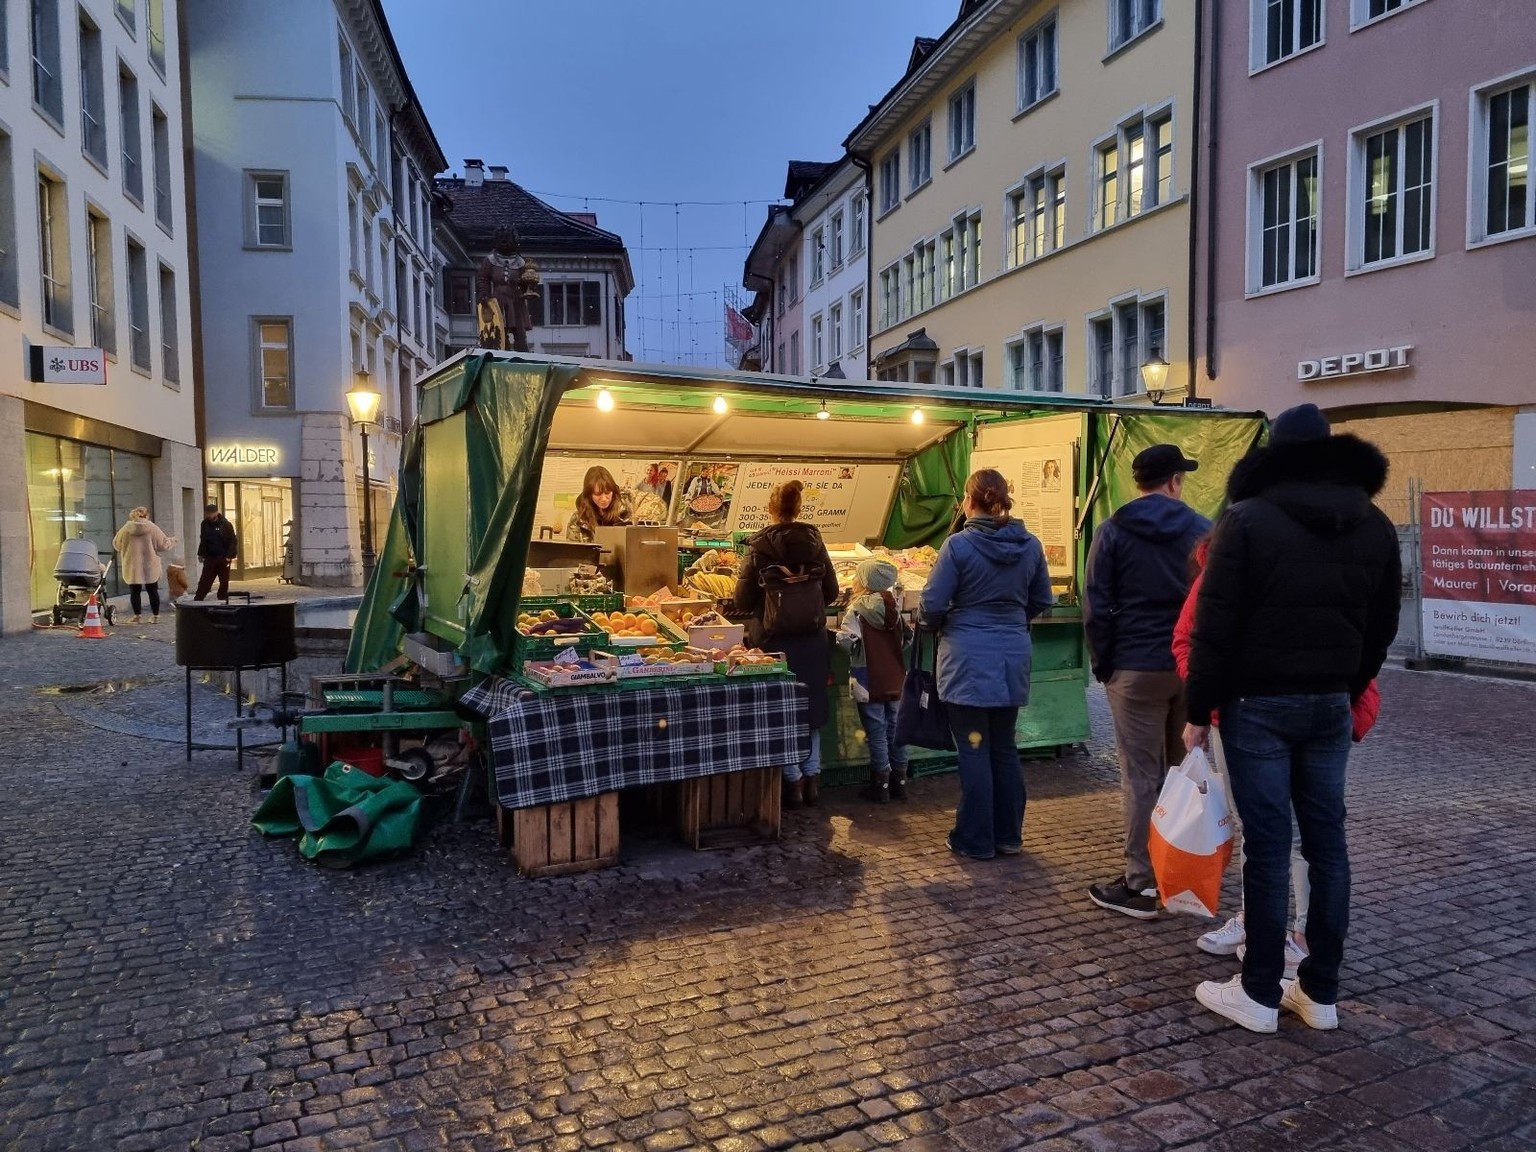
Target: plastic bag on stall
point(1191, 838)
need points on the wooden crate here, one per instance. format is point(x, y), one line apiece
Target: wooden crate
point(558, 839)
point(729, 809)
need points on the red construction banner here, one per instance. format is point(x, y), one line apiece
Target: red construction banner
point(1478, 558)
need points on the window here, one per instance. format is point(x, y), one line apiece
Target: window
point(98, 269)
point(962, 121)
point(1127, 349)
point(133, 141)
point(794, 353)
point(947, 282)
point(838, 244)
point(890, 182)
point(1128, 19)
point(793, 276)
point(909, 286)
point(856, 319)
point(1393, 193)
point(920, 156)
point(1101, 356)
point(1135, 169)
point(783, 296)
point(926, 259)
point(818, 255)
point(155, 20)
point(348, 96)
point(1501, 165)
point(274, 362)
point(835, 328)
point(858, 227)
point(170, 359)
point(267, 209)
point(10, 279)
point(1364, 11)
point(1282, 28)
point(1037, 217)
point(53, 250)
point(47, 61)
point(381, 146)
point(368, 253)
point(890, 297)
point(383, 264)
point(1037, 63)
point(1121, 341)
point(138, 306)
point(1285, 208)
point(959, 256)
point(403, 303)
point(361, 122)
point(160, 141)
point(125, 14)
point(354, 262)
point(574, 304)
point(93, 98)
point(818, 344)
point(1035, 360)
point(965, 371)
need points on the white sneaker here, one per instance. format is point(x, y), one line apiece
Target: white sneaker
point(1231, 1001)
point(1323, 1017)
point(1294, 955)
point(1225, 940)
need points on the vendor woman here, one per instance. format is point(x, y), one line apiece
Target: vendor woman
point(600, 505)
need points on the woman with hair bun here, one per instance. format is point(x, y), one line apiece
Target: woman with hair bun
point(989, 582)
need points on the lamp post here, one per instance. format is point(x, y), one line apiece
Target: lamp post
point(1154, 377)
point(363, 400)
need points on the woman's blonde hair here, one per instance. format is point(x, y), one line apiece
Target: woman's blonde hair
point(784, 501)
point(139, 513)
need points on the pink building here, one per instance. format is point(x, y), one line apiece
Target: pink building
point(1368, 242)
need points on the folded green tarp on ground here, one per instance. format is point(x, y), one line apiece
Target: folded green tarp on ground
point(343, 818)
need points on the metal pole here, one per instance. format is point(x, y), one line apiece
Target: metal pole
point(368, 556)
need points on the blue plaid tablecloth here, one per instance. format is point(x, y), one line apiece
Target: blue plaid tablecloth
point(550, 748)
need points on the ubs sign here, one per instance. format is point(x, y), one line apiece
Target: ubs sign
point(243, 456)
point(1355, 363)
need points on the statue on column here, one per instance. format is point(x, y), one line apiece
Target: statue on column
point(503, 285)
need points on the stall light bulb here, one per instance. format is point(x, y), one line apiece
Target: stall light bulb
point(720, 406)
point(917, 416)
point(605, 401)
point(823, 414)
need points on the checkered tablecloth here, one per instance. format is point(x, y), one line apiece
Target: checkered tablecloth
point(547, 749)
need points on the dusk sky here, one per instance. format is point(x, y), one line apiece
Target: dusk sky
point(658, 101)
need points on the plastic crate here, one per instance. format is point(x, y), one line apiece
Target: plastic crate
point(526, 648)
point(608, 602)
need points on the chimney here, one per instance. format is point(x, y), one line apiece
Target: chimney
point(499, 172)
point(589, 218)
point(474, 173)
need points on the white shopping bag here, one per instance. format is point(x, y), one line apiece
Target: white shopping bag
point(1191, 838)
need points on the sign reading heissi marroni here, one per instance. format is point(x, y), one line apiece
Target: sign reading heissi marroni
point(1478, 563)
point(243, 456)
point(67, 365)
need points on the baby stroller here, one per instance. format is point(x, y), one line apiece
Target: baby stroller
point(80, 572)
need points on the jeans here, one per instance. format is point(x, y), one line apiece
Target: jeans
point(134, 593)
point(811, 765)
point(991, 812)
point(1288, 752)
point(213, 570)
point(1301, 887)
point(1148, 711)
point(885, 754)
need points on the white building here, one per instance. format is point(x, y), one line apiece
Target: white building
point(314, 165)
point(93, 255)
point(833, 215)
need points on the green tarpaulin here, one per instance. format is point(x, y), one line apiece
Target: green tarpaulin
point(930, 483)
point(1216, 441)
point(343, 818)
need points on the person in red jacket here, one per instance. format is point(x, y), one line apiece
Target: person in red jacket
point(1231, 937)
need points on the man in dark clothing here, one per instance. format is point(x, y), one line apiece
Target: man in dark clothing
point(216, 548)
point(1138, 577)
point(1296, 612)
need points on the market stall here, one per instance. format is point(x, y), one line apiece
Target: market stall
point(494, 467)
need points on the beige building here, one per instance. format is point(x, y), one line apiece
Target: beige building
point(1030, 199)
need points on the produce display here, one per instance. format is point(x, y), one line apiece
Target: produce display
point(551, 623)
point(626, 625)
point(718, 585)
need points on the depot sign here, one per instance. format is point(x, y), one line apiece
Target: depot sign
point(1354, 363)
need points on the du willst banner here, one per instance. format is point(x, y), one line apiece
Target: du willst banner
point(1478, 556)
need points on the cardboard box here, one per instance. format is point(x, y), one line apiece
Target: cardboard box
point(553, 675)
point(632, 665)
point(709, 636)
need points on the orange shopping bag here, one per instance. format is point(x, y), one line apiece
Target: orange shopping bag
point(1191, 839)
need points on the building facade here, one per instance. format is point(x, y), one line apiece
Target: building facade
point(773, 272)
point(94, 258)
point(1030, 180)
point(1374, 247)
point(314, 166)
point(833, 214)
point(584, 270)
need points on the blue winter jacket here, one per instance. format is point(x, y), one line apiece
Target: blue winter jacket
point(989, 582)
point(1138, 576)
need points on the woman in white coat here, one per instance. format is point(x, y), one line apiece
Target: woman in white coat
point(138, 544)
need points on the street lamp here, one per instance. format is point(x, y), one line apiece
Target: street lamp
point(363, 400)
point(1154, 377)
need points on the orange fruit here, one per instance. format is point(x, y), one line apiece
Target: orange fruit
point(648, 626)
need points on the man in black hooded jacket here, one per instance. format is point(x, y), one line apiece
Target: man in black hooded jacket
point(1297, 609)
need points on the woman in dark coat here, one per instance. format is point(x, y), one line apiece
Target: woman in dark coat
point(799, 548)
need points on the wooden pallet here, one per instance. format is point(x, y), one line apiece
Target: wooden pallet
point(559, 839)
point(729, 809)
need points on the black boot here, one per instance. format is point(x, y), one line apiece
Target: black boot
point(794, 793)
point(898, 782)
point(877, 790)
point(812, 789)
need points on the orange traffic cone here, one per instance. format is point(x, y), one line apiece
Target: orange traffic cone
point(92, 629)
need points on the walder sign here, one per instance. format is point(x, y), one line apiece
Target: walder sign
point(1354, 363)
point(1478, 558)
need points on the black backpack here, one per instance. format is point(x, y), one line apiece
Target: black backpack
point(792, 601)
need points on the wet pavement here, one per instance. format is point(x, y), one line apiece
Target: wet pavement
point(169, 979)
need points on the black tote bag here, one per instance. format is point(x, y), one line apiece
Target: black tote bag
point(921, 718)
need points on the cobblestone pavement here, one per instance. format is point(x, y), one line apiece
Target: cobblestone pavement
point(170, 980)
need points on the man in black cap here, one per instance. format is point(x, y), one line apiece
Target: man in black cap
point(216, 547)
point(1138, 577)
point(1297, 609)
